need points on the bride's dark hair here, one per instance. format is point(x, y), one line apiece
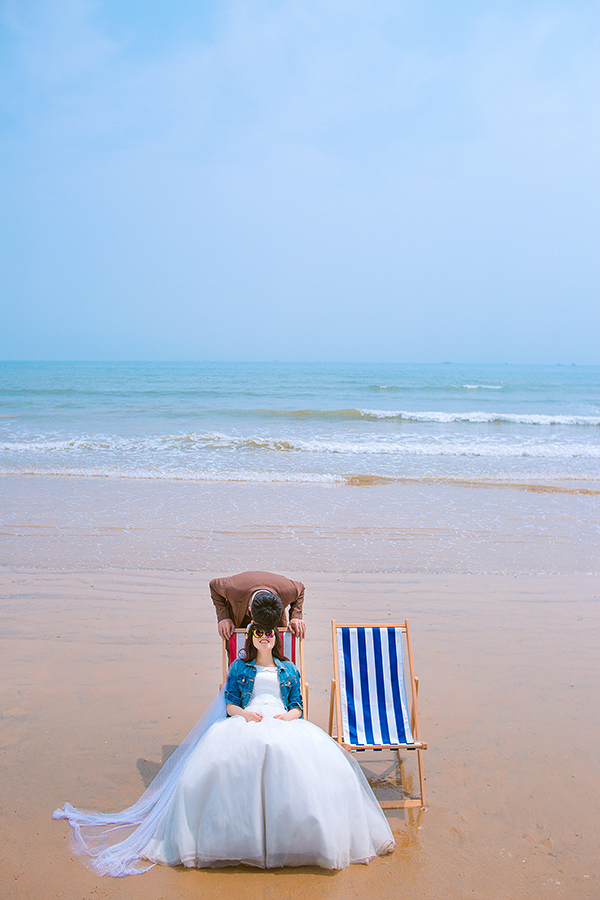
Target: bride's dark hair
point(251, 651)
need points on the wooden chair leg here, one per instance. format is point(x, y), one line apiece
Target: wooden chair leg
point(331, 706)
point(403, 784)
point(413, 711)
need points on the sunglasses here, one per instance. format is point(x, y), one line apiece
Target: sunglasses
point(258, 632)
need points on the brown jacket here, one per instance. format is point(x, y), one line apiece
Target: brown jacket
point(232, 595)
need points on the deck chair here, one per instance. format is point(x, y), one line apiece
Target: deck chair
point(368, 695)
point(293, 648)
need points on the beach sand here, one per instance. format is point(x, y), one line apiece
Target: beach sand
point(104, 671)
point(78, 523)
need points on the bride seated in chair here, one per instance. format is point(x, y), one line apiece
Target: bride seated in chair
point(260, 786)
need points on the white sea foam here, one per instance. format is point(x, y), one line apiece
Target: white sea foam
point(541, 450)
point(483, 387)
point(173, 474)
point(478, 417)
point(188, 449)
point(552, 481)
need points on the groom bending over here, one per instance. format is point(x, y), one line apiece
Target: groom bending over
point(233, 597)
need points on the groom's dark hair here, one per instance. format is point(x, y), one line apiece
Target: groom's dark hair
point(266, 609)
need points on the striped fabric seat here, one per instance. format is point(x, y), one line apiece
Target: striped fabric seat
point(372, 692)
point(369, 701)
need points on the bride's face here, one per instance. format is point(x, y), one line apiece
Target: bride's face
point(263, 640)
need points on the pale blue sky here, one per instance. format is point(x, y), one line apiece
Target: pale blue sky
point(305, 179)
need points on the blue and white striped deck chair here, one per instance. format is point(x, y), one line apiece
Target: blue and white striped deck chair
point(293, 648)
point(368, 694)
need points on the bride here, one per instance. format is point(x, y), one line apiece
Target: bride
point(254, 783)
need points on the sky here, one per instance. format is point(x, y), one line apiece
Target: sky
point(395, 180)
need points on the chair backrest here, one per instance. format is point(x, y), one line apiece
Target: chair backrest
point(369, 663)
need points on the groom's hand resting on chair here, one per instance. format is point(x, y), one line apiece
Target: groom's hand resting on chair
point(298, 626)
point(225, 628)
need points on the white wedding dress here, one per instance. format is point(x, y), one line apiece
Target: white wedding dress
point(270, 793)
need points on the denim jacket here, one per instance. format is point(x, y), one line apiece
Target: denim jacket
point(241, 677)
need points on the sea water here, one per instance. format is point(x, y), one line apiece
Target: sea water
point(303, 422)
point(300, 467)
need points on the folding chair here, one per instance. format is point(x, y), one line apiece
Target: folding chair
point(293, 648)
point(368, 695)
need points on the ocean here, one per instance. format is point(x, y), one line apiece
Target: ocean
point(303, 422)
point(296, 467)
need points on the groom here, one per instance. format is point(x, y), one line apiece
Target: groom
point(233, 598)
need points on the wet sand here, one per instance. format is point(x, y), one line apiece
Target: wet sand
point(79, 523)
point(104, 671)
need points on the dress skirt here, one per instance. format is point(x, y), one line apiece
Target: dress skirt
point(270, 793)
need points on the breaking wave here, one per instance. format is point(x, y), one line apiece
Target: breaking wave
point(191, 447)
point(480, 418)
point(475, 417)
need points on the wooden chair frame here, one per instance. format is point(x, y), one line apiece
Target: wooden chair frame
point(299, 663)
point(335, 711)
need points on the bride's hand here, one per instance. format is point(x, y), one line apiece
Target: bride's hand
point(289, 715)
point(252, 716)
